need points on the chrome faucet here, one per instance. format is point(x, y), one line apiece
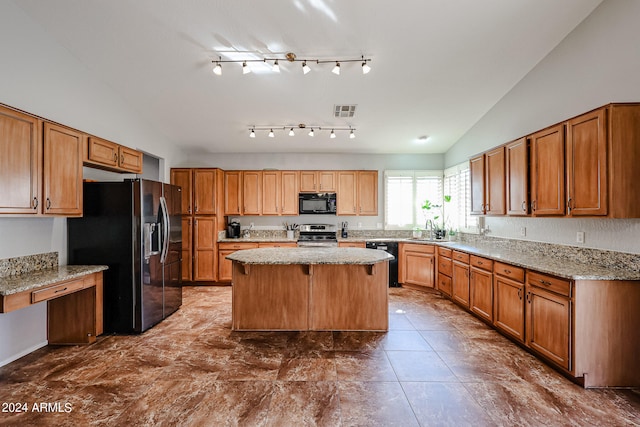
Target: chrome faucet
point(429, 227)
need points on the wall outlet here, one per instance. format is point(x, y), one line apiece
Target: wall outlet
point(251, 224)
point(523, 231)
point(359, 225)
point(379, 226)
point(580, 237)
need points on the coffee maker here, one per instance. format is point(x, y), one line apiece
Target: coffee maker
point(233, 230)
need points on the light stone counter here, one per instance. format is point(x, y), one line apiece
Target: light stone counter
point(357, 256)
point(10, 285)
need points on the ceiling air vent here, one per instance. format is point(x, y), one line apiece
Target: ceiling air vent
point(342, 111)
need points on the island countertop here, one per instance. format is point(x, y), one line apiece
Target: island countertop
point(310, 256)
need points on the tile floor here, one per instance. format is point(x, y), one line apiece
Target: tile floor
point(437, 365)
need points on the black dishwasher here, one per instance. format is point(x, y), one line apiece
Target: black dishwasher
point(392, 248)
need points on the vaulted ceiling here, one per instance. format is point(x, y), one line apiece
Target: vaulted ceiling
point(436, 66)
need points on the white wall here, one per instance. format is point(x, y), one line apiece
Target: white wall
point(597, 63)
point(380, 162)
point(39, 76)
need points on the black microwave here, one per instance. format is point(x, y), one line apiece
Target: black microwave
point(317, 203)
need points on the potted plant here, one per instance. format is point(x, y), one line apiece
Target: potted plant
point(432, 213)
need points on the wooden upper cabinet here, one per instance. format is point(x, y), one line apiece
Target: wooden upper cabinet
point(368, 192)
point(547, 171)
point(108, 155)
point(587, 164)
point(290, 185)
point(347, 195)
point(252, 192)
point(318, 181)
point(20, 167)
point(233, 192)
point(62, 172)
point(204, 191)
point(623, 158)
point(517, 177)
point(271, 192)
point(494, 186)
point(476, 168)
point(184, 179)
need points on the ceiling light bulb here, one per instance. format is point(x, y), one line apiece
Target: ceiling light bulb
point(333, 134)
point(252, 134)
point(291, 132)
point(365, 68)
point(351, 134)
point(305, 67)
point(276, 67)
point(271, 134)
point(311, 132)
point(245, 68)
point(217, 70)
point(336, 69)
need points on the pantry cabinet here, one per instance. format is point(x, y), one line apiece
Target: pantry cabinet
point(517, 177)
point(205, 235)
point(187, 248)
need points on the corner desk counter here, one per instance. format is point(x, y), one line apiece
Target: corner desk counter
point(74, 300)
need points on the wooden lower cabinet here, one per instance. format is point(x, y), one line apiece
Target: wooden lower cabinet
point(352, 245)
point(417, 265)
point(277, 245)
point(460, 283)
point(445, 271)
point(508, 307)
point(187, 249)
point(481, 288)
point(204, 248)
point(225, 266)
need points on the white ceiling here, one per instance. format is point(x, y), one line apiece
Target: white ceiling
point(437, 66)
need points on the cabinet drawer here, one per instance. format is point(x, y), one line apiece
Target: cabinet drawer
point(444, 284)
point(445, 266)
point(414, 247)
point(510, 271)
point(550, 283)
point(56, 290)
point(445, 252)
point(278, 245)
point(461, 257)
point(237, 246)
point(483, 263)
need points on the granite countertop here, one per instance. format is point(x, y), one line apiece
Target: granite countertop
point(310, 256)
point(34, 279)
point(258, 240)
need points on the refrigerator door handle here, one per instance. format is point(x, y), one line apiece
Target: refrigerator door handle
point(165, 230)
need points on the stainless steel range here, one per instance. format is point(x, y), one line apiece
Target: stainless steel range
point(318, 235)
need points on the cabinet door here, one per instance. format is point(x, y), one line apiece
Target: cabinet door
point(368, 192)
point(547, 172)
point(460, 284)
point(347, 193)
point(587, 165)
point(517, 176)
point(252, 192)
point(508, 309)
point(476, 166)
point(548, 320)
point(103, 152)
point(494, 186)
point(419, 269)
point(289, 193)
point(130, 159)
point(233, 193)
point(184, 179)
point(481, 293)
point(444, 284)
point(204, 191)
point(225, 266)
point(20, 144)
point(308, 181)
point(62, 173)
point(187, 248)
point(271, 192)
point(327, 181)
point(204, 248)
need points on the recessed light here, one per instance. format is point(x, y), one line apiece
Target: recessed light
point(422, 139)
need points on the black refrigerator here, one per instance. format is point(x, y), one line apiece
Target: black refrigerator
point(134, 227)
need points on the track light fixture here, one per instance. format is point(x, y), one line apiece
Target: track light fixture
point(312, 129)
point(291, 57)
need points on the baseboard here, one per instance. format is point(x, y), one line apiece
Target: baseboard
point(23, 353)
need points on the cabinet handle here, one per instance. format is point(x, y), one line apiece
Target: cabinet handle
point(189, 209)
point(520, 294)
point(48, 203)
point(507, 271)
point(544, 282)
point(569, 205)
point(61, 290)
point(524, 206)
point(479, 262)
point(487, 207)
point(196, 207)
point(122, 159)
point(529, 297)
point(35, 203)
point(533, 205)
point(115, 157)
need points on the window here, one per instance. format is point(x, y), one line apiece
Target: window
point(457, 184)
point(404, 195)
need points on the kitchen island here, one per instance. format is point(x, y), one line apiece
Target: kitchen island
point(299, 289)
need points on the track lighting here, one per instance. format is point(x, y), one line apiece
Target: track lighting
point(291, 57)
point(291, 130)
